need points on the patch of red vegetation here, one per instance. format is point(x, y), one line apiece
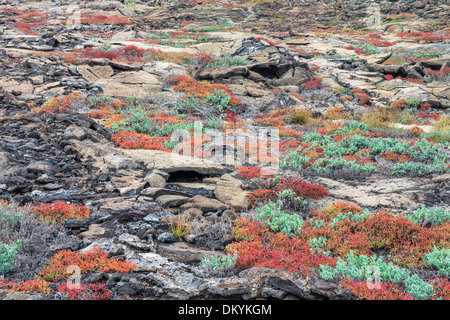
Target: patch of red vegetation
point(297, 96)
point(28, 21)
point(92, 291)
point(313, 83)
point(391, 156)
point(423, 115)
point(423, 36)
point(268, 189)
point(377, 41)
point(261, 248)
point(60, 211)
point(29, 286)
point(287, 146)
point(106, 110)
point(415, 80)
point(61, 104)
point(96, 259)
point(380, 291)
point(334, 113)
point(286, 132)
point(230, 116)
point(361, 95)
point(249, 172)
point(441, 74)
point(441, 288)
point(201, 89)
point(134, 140)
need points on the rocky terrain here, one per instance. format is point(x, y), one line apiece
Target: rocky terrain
point(91, 92)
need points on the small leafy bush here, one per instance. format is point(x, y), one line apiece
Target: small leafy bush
point(279, 221)
point(435, 215)
point(419, 168)
point(219, 99)
point(418, 288)
point(214, 262)
point(159, 36)
point(316, 245)
point(361, 268)
point(373, 268)
point(440, 258)
point(7, 254)
point(205, 38)
point(290, 199)
point(188, 105)
point(228, 62)
point(137, 120)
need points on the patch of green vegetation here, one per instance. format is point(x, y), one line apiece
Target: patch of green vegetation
point(205, 38)
point(358, 148)
point(435, 216)
point(214, 263)
point(367, 48)
point(219, 99)
point(316, 246)
point(420, 53)
point(209, 29)
point(439, 258)
point(322, 56)
point(227, 62)
point(7, 254)
point(277, 220)
point(159, 36)
point(364, 268)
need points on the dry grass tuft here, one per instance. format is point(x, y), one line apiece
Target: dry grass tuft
point(378, 118)
point(443, 124)
point(180, 225)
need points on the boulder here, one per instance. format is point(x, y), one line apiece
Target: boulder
point(41, 167)
point(155, 180)
point(204, 204)
point(443, 94)
point(182, 252)
point(229, 191)
point(95, 231)
point(75, 132)
point(172, 162)
point(171, 200)
point(256, 92)
point(218, 73)
point(396, 193)
point(164, 69)
point(396, 59)
point(167, 237)
point(137, 83)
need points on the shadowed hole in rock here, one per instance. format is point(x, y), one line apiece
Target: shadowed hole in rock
point(434, 65)
point(185, 176)
point(397, 74)
point(271, 71)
